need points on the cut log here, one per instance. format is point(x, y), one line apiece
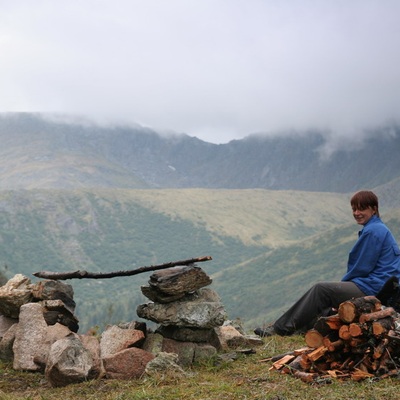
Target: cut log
point(313, 338)
point(355, 330)
point(280, 356)
point(317, 353)
point(301, 350)
point(306, 377)
point(350, 310)
point(296, 363)
point(382, 326)
point(305, 362)
point(368, 346)
point(324, 325)
point(282, 362)
point(333, 346)
point(344, 332)
point(295, 353)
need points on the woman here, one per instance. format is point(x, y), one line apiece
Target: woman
point(374, 259)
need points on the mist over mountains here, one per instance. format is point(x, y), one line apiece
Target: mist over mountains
point(38, 152)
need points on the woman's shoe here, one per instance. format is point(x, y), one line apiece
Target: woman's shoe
point(263, 332)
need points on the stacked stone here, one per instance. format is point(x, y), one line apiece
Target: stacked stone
point(38, 333)
point(186, 312)
point(32, 318)
point(56, 299)
point(38, 330)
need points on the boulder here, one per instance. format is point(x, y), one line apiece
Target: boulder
point(115, 339)
point(15, 293)
point(184, 350)
point(179, 279)
point(92, 344)
point(204, 310)
point(183, 334)
point(53, 333)
point(138, 325)
point(159, 297)
point(127, 364)
point(204, 352)
point(54, 290)
point(55, 311)
point(153, 343)
point(165, 364)
point(69, 362)
point(228, 337)
point(30, 337)
point(188, 352)
point(174, 283)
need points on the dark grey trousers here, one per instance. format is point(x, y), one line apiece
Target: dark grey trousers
point(316, 302)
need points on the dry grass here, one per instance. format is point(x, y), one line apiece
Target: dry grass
point(255, 216)
point(248, 377)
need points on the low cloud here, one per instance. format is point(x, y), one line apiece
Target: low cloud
point(215, 69)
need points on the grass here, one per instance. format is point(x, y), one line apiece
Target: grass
point(248, 377)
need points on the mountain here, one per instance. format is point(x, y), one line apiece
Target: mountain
point(38, 152)
point(79, 196)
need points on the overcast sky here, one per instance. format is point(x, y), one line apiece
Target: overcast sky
point(215, 69)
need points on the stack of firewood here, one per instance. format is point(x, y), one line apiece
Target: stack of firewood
point(360, 341)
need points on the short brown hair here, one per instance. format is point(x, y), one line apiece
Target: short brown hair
point(365, 199)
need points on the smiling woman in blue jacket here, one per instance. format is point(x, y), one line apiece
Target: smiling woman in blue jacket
point(373, 260)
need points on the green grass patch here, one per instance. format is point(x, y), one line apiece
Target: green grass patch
point(248, 377)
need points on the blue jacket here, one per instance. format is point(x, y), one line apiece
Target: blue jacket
point(374, 258)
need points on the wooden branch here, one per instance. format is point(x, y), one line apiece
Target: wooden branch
point(105, 275)
point(307, 377)
point(373, 316)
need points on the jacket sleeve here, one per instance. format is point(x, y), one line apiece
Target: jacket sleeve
point(363, 256)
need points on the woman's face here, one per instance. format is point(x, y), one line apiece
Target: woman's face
point(363, 216)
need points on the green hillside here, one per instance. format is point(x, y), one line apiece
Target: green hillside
point(267, 246)
point(111, 230)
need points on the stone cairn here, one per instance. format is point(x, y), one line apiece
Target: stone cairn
point(39, 330)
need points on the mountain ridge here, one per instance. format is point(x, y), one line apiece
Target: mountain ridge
point(37, 152)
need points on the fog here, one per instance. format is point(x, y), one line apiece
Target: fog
point(215, 69)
